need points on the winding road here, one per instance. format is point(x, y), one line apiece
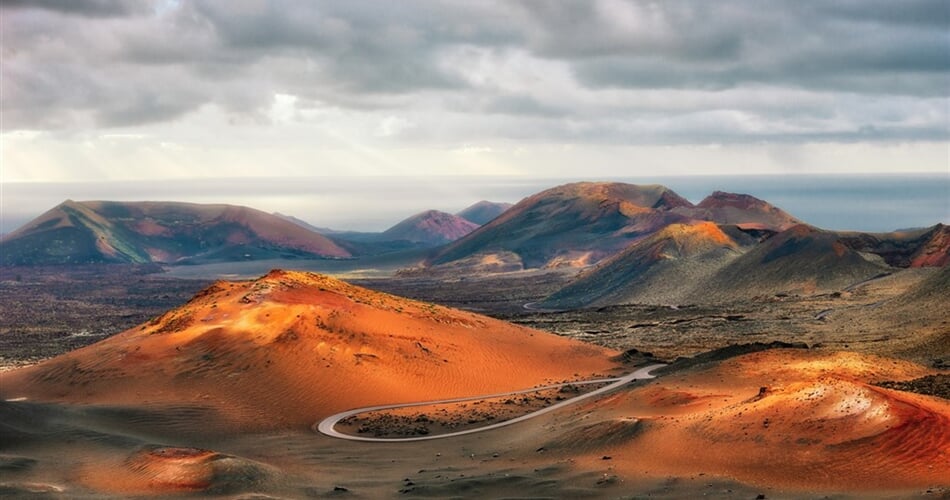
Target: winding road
point(327, 426)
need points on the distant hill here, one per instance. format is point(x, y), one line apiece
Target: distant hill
point(167, 232)
point(928, 247)
point(935, 248)
point(483, 212)
point(801, 259)
point(358, 244)
point(661, 269)
point(706, 263)
point(430, 228)
point(304, 224)
point(583, 223)
point(574, 224)
point(744, 210)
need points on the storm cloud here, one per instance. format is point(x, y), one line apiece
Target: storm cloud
point(604, 71)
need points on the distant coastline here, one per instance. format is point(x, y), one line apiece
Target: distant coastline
point(875, 202)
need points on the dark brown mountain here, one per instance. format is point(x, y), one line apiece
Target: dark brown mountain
point(483, 212)
point(583, 223)
point(799, 260)
point(935, 250)
point(424, 230)
point(706, 263)
point(574, 224)
point(166, 232)
point(661, 269)
point(928, 247)
point(743, 210)
point(676, 266)
point(429, 228)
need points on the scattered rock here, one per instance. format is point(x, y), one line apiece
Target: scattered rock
point(931, 385)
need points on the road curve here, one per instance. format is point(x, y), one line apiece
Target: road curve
point(530, 306)
point(327, 426)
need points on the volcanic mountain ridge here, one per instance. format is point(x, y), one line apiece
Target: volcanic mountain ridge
point(659, 269)
point(743, 210)
point(570, 225)
point(430, 228)
point(928, 247)
point(704, 263)
point(579, 224)
point(166, 232)
point(483, 212)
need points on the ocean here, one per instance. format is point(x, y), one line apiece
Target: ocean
point(872, 203)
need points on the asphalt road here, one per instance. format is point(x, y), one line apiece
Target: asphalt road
point(327, 426)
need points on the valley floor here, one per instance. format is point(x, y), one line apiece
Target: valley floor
point(735, 423)
point(858, 318)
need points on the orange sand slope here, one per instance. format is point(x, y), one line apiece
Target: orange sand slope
point(784, 418)
point(291, 347)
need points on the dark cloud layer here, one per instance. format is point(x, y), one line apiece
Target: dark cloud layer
point(90, 8)
point(101, 63)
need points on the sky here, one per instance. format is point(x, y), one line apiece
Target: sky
point(112, 91)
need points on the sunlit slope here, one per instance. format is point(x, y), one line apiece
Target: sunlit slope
point(290, 347)
point(663, 268)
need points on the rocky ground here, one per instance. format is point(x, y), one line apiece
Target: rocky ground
point(47, 311)
point(932, 385)
point(857, 318)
